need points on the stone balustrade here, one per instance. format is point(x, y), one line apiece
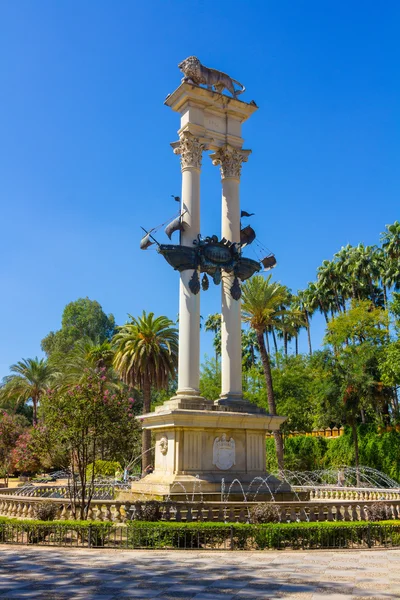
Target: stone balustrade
point(334, 494)
point(119, 512)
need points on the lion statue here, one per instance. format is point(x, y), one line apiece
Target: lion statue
point(197, 73)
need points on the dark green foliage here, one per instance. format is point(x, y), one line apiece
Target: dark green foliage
point(304, 453)
point(259, 537)
point(103, 468)
point(379, 451)
point(219, 536)
point(265, 512)
point(83, 318)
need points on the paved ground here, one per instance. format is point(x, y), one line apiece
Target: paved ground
point(55, 574)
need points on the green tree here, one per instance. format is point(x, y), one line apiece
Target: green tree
point(82, 421)
point(86, 355)
point(28, 381)
point(262, 302)
point(83, 318)
point(11, 428)
point(146, 355)
point(213, 323)
point(210, 379)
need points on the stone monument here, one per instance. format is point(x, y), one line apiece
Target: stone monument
point(200, 442)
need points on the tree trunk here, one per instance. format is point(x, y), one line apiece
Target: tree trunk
point(275, 343)
point(296, 341)
point(308, 334)
point(285, 342)
point(356, 451)
point(34, 402)
point(268, 348)
point(271, 398)
point(372, 291)
point(146, 434)
point(385, 300)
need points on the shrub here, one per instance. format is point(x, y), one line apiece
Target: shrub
point(379, 512)
point(146, 511)
point(45, 511)
point(103, 468)
point(264, 512)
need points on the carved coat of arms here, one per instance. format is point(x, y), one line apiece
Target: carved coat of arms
point(224, 452)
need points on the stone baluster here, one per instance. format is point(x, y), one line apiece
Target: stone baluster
point(339, 516)
point(63, 515)
point(107, 513)
point(200, 513)
point(25, 509)
point(242, 516)
point(210, 514)
point(302, 515)
point(311, 514)
point(232, 514)
point(178, 515)
point(347, 516)
point(363, 515)
point(293, 515)
point(189, 516)
point(330, 513)
point(221, 514)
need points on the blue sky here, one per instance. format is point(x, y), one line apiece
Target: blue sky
point(85, 156)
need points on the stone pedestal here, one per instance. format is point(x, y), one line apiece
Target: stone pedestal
point(197, 450)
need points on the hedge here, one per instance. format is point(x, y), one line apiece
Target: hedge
point(219, 536)
point(242, 536)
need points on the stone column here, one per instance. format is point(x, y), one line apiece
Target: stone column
point(190, 149)
point(230, 160)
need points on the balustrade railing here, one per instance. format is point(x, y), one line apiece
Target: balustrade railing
point(120, 512)
point(341, 493)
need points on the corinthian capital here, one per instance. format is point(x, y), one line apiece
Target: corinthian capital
point(190, 149)
point(230, 160)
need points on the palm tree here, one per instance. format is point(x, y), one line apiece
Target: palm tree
point(299, 318)
point(262, 303)
point(85, 356)
point(213, 323)
point(329, 279)
point(30, 378)
point(146, 355)
point(306, 304)
point(391, 240)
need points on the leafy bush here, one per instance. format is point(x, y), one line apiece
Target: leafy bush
point(103, 468)
point(265, 512)
point(377, 450)
point(379, 512)
point(45, 511)
point(219, 536)
point(302, 453)
point(242, 536)
point(146, 511)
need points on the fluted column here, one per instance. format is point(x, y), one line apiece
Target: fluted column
point(190, 149)
point(230, 161)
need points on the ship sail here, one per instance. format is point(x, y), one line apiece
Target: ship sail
point(175, 225)
point(268, 262)
point(247, 235)
point(146, 242)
